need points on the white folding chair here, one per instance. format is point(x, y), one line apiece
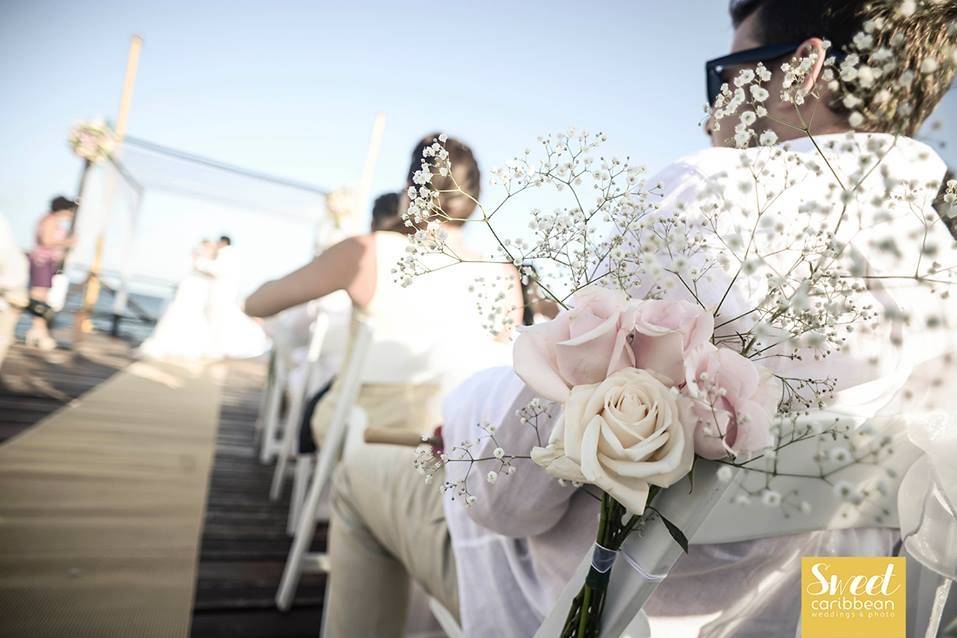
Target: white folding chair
point(344, 417)
point(275, 389)
point(264, 398)
point(300, 389)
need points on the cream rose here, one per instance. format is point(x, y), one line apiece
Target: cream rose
point(622, 435)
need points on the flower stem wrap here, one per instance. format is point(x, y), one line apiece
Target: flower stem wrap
point(584, 617)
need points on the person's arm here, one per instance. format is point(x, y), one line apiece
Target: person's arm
point(349, 265)
point(530, 501)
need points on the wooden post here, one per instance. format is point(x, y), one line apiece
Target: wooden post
point(92, 291)
point(80, 188)
point(372, 156)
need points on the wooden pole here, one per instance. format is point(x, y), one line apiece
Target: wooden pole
point(372, 156)
point(80, 188)
point(92, 291)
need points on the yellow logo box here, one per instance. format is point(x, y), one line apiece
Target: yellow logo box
point(853, 597)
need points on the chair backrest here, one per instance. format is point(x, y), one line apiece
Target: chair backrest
point(349, 382)
point(644, 560)
point(319, 329)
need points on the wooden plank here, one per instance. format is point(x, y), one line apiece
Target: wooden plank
point(102, 505)
point(244, 544)
point(34, 384)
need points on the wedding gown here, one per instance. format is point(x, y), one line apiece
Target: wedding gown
point(204, 320)
point(184, 330)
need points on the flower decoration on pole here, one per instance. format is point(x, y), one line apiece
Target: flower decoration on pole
point(92, 140)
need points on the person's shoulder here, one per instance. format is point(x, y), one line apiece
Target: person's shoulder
point(700, 164)
point(353, 249)
point(355, 242)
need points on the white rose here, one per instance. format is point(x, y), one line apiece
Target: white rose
point(623, 435)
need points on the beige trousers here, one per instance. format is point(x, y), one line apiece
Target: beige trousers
point(387, 527)
point(386, 405)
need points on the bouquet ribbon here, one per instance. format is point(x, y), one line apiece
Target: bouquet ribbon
point(927, 505)
point(602, 560)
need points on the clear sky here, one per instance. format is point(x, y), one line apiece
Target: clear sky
point(292, 88)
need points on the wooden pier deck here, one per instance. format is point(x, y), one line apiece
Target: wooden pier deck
point(242, 546)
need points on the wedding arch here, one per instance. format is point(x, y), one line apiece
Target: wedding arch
point(153, 203)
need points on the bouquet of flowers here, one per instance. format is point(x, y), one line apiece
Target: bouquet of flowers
point(713, 325)
point(92, 140)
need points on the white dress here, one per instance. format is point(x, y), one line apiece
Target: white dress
point(204, 320)
point(183, 331)
point(232, 333)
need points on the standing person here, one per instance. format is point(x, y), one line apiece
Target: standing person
point(13, 285)
point(53, 238)
point(501, 563)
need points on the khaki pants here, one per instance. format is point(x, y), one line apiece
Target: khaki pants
point(386, 405)
point(387, 527)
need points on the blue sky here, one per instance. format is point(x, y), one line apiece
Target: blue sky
point(292, 88)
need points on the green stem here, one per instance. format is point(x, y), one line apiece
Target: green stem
point(585, 616)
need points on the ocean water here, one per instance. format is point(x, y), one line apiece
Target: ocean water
point(135, 326)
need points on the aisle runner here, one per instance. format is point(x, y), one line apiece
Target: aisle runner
point(101, 507)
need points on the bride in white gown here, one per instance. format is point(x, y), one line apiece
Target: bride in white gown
point(203, 320)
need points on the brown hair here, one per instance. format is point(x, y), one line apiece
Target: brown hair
point(385, 212)
point(464, 176)
point(929, 33)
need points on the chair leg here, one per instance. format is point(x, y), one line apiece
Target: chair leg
point(290, 439)
point(264, 400)
point(323, 630)
point(268, 445)
point(306, 529)
point(300, 483)
point(444, 617)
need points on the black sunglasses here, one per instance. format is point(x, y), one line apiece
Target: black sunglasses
point(714, 69)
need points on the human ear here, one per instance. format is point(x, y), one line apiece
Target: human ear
point(812, 46)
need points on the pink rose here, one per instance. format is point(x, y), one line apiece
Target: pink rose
point(582, 345)
point(732, 402)
point(665, 332)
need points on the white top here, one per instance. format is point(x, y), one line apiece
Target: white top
point(523, 539)
point(430, 331)
point(13, 266)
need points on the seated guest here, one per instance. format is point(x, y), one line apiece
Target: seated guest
point(500, 564)
point(425, 336)
point(385, 216)
point(385, 213)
